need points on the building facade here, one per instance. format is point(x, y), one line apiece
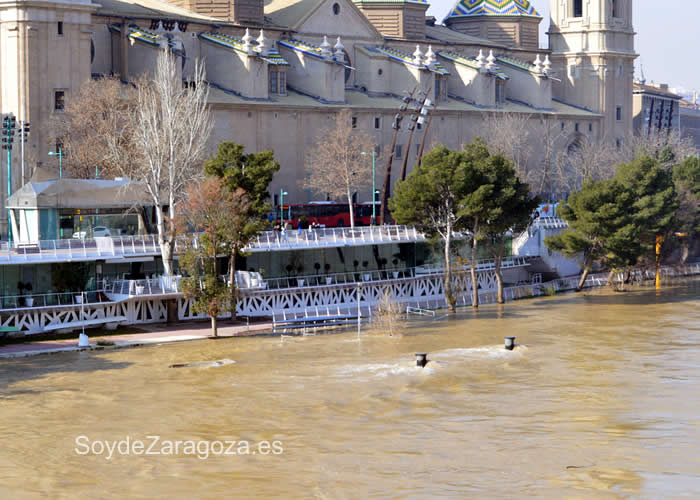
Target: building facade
point(656, 109)
point(281, 70)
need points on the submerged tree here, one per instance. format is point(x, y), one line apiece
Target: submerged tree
point(511, 208)
point(601, 227)
point(337, 166)
point(251, 173)
point(171, 125)
point(433, 197)
point(208, 216)
point(686, 177)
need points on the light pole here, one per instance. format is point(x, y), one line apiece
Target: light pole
point(8, 132)
point(374, 188)
point(282, 193)
point(23, 133)
point(60, 161)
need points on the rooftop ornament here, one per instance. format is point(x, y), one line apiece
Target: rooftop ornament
point(547, 66)
point(325, 48)
point(418, 56)
point(430, 58)
point(491, 61)
point(538, 65)
point(338, 50)
point(480, 60)
point(247, 45)
point(263, 47)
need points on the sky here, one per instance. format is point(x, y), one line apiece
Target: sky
point(667, 39)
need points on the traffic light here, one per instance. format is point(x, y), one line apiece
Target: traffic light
point(9, 123)
point(23, 132)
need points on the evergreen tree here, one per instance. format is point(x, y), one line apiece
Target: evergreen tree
point(431, 197)
point(511, 207)
point(654, 201)
point(250, 173)
point(686, 177)
point(601, 229)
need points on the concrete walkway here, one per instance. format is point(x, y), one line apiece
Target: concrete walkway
point(156, 334)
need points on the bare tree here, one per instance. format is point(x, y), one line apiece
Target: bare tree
point(172, 124)
point(509, 134)
point(337, 165)
point(95, 129)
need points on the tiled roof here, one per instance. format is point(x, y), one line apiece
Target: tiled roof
point(234, 43)
point(465, 8)
point(518, 63)
point(397, 55)
point(139, 34)
point(310, 49)
point(470, 63)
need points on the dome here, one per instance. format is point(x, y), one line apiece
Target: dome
point(466, 8)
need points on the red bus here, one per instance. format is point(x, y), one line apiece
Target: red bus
point(329, 213)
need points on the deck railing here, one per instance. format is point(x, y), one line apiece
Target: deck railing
point(78, 249)
point(163, 285)
point(129, 246)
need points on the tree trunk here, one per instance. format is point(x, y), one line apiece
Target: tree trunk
point(352, 212)
point(449, 296)
point(685, 250)
point(214, 328)
point(611, 277)
point(582, 280)
point(232, 283)
point(499, 276)
point(166, 251)
point(475, 286)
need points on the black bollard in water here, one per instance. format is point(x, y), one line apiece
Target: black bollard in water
point(510, 343)
point(422, 359)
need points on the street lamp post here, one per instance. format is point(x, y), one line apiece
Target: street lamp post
point(374, 187)
point(60, 161)
point(282, 193)
point(8, 132)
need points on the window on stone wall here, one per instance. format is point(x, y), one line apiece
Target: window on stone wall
point(354, 122)
point(500, 92)
point(377, 122)
point(274, 78)
point(398, 151)
point(615, 8)
point(59, 100)
point(577, 8)
point(60, 27)
point(576, 127)
point(440, 89)
point(618, 113)
point(590, 127)
point(283, 83)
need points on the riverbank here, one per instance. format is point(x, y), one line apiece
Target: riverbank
point(153, 334)
point(160, 333)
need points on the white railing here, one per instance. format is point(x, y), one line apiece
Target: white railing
point(78, 249)
point(12, 302)
point(162, 285)
point(333, 237)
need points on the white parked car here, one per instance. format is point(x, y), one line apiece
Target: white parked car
point(100, 231)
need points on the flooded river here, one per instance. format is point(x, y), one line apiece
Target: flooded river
point(599, 400)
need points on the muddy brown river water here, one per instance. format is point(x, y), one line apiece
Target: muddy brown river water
point(601, 399)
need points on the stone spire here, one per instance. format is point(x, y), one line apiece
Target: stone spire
point(338, 50)
point(326, 48)
point(418, 56)
point(430, 57)
point(547, 66)
point(538, 64)
point(490, 61)
point(480, 60)
point(263, 46)
point(247, 39)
